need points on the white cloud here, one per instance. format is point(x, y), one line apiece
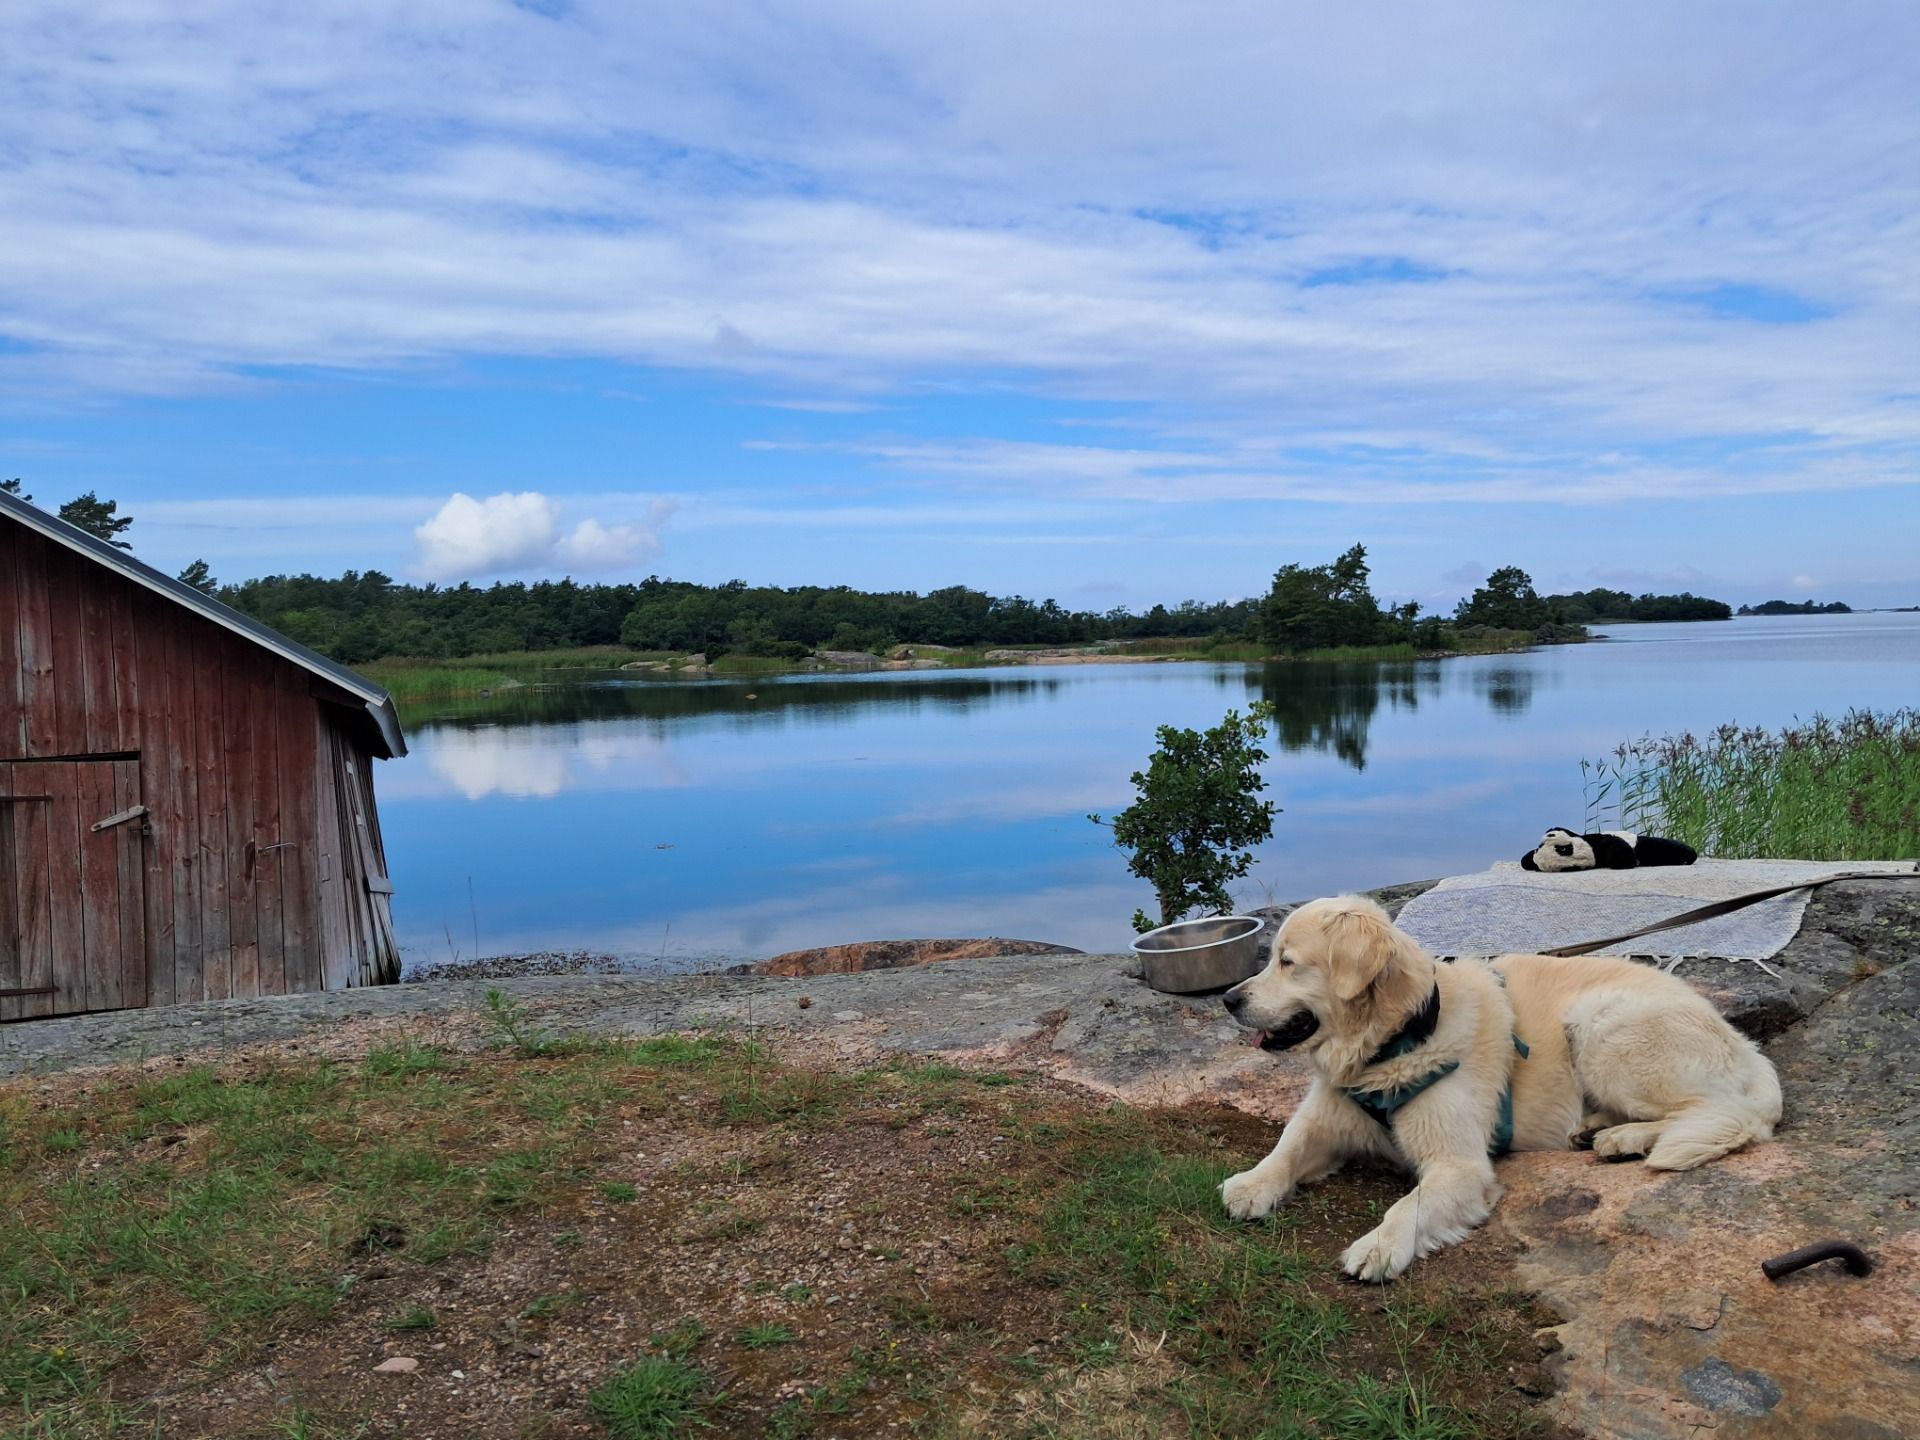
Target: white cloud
point(515, 533)
point(593, 546)
point(468, 537)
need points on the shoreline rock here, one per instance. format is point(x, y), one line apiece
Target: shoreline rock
point(864, 955)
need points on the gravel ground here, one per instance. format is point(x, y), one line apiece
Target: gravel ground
point(512, 967)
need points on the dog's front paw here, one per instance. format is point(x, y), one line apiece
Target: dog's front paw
point(1249, 1195)
point(1380, 1254)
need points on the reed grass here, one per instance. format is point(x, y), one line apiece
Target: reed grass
point(1362, 652)
point(409, 680)
point(418, 678)
point(1846, 789)
point(735, 664)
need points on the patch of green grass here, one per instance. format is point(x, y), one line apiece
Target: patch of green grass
point(620, 1191)
point(545, 1305)
point(510, 1025)
point(1136, 1240)
point(938, 1072)
point(275, 1180)
point(655, 1398)
point(417, 1317)
point(680, 1339)
point(404, 1058)
point(516, 1179)
point(305, 1424)
point(679, 1052)
point(933, 1072)
point(725, 1227)
point(753, 1094)
point(765, 1336)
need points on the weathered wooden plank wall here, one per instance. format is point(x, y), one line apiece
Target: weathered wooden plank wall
point(258, 798)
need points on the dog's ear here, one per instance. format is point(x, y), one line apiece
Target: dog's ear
point(1364, 945)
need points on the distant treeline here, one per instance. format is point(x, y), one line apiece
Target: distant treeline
point(1796, 607)
point(365, 615)
point(1597, 607)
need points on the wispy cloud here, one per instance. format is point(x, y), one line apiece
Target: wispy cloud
point(1509, 237)
point(1373, 476)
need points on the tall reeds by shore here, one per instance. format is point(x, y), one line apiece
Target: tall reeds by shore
point(1846, 789)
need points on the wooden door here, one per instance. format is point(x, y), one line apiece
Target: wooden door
point(72, 891)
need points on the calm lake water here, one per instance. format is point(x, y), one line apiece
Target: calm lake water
point(684, 824)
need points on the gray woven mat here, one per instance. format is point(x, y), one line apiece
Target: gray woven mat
point(1507, 910)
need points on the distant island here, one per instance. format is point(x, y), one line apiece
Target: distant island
point(1614, 607)
point(1796, 607)
point(1320, 610)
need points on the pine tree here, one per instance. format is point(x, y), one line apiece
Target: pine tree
point(98, 518)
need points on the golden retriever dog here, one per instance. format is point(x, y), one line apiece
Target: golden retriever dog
point(1438, 1067)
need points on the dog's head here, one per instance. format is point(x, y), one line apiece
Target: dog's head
point(1337, 967)
point(1559, 849)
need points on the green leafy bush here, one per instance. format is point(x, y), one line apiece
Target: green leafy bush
point(1197, 814)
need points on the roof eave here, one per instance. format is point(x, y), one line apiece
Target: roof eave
point(378, 703)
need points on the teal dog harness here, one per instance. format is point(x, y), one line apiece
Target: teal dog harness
point(1383, 1105)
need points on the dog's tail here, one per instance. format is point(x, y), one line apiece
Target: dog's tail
point(1717, 1127)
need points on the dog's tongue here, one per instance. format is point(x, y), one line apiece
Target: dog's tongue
point(1257, 1038)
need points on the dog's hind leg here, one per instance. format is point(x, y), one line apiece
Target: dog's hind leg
point(1705, 1132)
point(1685, 1085)
point(1636, 1137)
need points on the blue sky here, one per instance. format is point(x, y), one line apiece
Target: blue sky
point(1120, 303)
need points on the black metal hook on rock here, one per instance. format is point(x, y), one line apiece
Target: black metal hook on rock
point(1782, 1266)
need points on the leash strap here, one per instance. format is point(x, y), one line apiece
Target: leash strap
point(1726, 907)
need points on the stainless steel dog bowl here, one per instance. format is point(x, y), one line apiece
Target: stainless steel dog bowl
point(1191, 956)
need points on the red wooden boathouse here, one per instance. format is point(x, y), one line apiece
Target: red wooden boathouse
point(186, 796)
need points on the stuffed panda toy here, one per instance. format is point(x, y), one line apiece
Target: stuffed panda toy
point(1614, 850)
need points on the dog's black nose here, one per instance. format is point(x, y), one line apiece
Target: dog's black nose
point(1233, 1000)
